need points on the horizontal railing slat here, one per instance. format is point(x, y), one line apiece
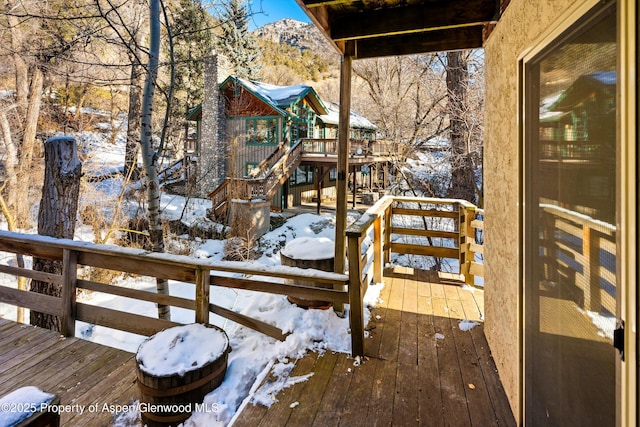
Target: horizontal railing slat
point(424, 233)
point(300, 291)
point(249, 322)
point(437, 251)
point(137, 294)
point(139, 266)
point(121, 320)
point(32, 300)
point(32, 274)
point(429, 213)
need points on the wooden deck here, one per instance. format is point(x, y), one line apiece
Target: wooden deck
point(420, 369)
point(78, 371)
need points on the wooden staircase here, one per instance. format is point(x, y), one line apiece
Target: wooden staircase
point(262, 183)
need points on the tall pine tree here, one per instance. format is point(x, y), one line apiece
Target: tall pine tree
point(193, 40)
point(237, 43)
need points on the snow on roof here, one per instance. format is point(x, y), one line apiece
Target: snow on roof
point(356, 121)
point(282, 96)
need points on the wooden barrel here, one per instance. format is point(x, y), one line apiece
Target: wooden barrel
point(320, 258)
point(169, 399)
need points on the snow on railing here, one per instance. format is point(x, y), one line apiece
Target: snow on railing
point(200, 272)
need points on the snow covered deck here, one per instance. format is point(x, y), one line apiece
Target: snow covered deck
point(427, 363)
point(84, 375)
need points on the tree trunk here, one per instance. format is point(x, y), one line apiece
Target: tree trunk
point(11, 161)
point(149, 156)
point(462, 184)
point(57, 214)
point(133, 122)
point(23, 205)
point(21, 67)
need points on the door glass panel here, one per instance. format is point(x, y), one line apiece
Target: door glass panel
point(570, 277)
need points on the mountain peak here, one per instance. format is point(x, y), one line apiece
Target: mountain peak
point(300, 35)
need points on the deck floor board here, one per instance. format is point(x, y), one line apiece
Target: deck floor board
point(420, 367)
point(77, 371)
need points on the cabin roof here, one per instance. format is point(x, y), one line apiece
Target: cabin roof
point(279, 97)
point(356, 121)
point(375, 28)
point(603, 82)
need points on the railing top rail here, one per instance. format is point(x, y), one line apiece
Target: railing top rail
point(362, 224)
point(170, 259)
point(579, 218)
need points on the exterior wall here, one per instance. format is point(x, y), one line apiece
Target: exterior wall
point(240, 152)
point(522, 24)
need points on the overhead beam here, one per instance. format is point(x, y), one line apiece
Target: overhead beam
point(320, 3)
point(409, 44)
point(412, 19)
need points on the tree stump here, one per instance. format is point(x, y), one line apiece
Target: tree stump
point(57, 213)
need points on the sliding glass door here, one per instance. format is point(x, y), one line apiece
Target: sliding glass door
point(571, 178)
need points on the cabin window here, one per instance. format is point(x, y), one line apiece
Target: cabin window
point(303, 175)
point(249, 167)
point(262, 131)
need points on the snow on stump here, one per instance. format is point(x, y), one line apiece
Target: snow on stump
point(176, 368)
point(27, 406)
point(309, 252)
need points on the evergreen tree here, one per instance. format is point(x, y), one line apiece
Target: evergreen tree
point(237, 43)
point(193, 40)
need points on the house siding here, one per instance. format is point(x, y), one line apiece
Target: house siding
point(240, 152)
point(522, 24)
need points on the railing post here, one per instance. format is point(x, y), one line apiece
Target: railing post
point(377, 250)
point(68, 293)
point(203, 281)
point(388, 218)
point(591, 254)
point(466, 237)
point(356, 309)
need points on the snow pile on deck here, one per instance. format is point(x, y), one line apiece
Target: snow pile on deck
point(181, 349)
point(21, 403)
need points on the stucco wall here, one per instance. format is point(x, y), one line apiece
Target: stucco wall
point(522, 24)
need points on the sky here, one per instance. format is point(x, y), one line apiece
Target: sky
point(267, 11)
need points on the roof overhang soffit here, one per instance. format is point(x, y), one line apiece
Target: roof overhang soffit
point(365, 29)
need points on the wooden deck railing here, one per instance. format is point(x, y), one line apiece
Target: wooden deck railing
point(450, 223)
point(441, 228)
point(357, 147)
point(200, 273)
point(580, 251)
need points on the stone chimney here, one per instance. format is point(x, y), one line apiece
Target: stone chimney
point(213, 148)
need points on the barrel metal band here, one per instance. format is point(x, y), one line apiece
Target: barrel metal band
point(155, 392)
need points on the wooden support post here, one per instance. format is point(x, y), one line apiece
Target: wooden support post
point(466, 237)
point(68, 293)
point(591, 275)
point(377, 250)
point(387, 233)
point(356, 308)
point(319, 176)
point(343, 162)
point(203, 282)
point(355, 183)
